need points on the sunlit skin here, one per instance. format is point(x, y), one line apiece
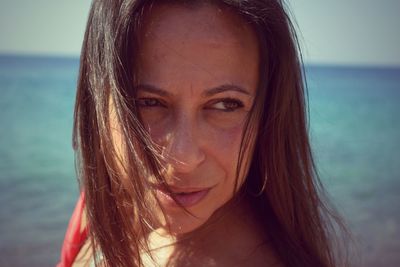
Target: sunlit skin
point(197, 79)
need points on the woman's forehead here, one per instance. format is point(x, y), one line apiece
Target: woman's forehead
point(202, 22)
point(205, 44)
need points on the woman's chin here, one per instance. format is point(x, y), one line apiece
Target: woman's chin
point(183, 224)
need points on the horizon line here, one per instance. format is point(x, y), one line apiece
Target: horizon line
point(306, 63)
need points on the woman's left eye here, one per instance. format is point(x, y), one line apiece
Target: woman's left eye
point(227, 104)
point(148, 102)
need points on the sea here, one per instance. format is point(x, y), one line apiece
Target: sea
point(354, 114)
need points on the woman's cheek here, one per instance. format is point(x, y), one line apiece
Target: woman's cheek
point(227, 129)
point(229, 121)
point(156, 122)
point(225, 145)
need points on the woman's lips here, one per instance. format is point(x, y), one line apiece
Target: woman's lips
point(186, 199)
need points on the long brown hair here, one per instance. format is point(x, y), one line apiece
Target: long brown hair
point(282, 179)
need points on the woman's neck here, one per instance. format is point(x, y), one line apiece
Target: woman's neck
point(231, 236)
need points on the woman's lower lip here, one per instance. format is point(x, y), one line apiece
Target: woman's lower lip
point(186, 200)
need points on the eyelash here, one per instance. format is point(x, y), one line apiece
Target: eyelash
point(238, 104)
point(144, 103)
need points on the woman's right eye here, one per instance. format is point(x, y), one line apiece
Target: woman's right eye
point(149, 102)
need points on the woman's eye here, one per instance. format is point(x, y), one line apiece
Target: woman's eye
point(149, 102)
point(227, 105)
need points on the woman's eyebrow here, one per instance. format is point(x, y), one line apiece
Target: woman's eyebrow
point(224, 88)
point(152, 89)
point(207, 93)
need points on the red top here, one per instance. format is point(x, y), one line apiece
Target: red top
point(74, 237)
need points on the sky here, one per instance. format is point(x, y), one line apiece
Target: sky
point(340, 32)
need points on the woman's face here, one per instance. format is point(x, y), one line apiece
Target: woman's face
point(197, 78)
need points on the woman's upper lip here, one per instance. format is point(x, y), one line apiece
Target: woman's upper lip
point(177, 190)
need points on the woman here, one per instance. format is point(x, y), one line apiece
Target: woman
point(191, 138)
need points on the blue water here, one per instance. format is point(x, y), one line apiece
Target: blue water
point(355, 127)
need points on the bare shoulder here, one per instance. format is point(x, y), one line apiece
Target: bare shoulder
point(85, 255)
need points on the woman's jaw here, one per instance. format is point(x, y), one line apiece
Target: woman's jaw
point(186, 226)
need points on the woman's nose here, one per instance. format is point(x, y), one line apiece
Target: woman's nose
point(182, 149)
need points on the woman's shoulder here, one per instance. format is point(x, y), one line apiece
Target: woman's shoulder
point(76, 234)
point(85, 256)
